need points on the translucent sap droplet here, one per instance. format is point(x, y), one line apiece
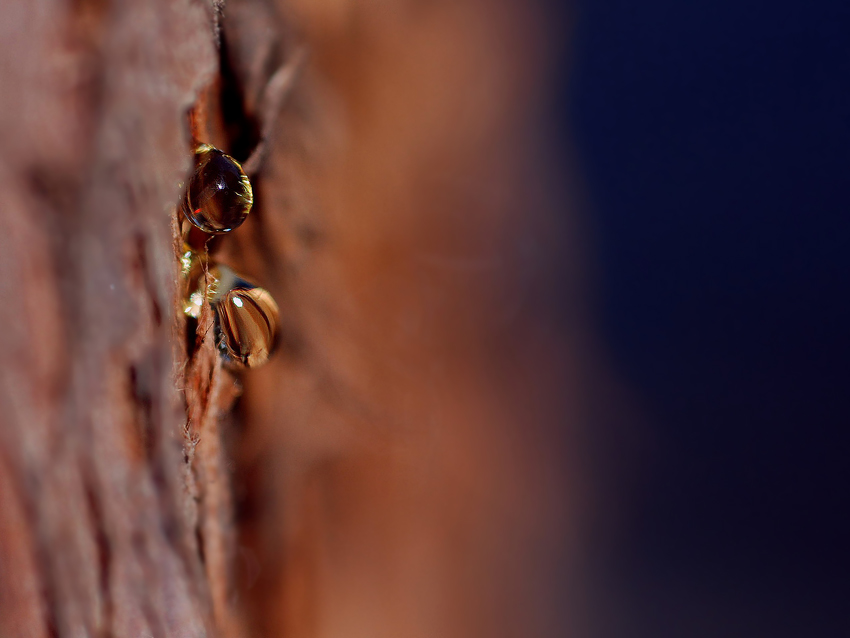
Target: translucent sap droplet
point(247, 325)
point(218, 195)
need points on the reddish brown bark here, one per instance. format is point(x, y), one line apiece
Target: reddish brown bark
point(98, 530)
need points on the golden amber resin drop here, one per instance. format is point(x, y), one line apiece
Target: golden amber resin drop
point(218, 195)
point(247, 322)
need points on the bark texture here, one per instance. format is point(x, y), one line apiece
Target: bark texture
point(97, 524)
point(406, 465)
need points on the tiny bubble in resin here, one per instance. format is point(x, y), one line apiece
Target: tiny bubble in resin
point(193, 307)
point(218, 196)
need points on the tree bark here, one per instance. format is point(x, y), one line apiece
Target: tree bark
point(99, 517)
point(405, 463)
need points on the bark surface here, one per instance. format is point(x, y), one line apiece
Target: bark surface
point(99, 510)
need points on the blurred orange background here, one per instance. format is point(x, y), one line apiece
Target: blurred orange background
point(410, 462)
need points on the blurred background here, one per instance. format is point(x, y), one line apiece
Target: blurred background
point(713, 141)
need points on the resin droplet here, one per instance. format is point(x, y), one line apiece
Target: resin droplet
point(195, 281)
point(247, 323)
point(218, 196)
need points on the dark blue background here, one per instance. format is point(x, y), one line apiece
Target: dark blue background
point(714, 141)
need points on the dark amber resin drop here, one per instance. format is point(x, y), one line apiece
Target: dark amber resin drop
point(218, 196)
